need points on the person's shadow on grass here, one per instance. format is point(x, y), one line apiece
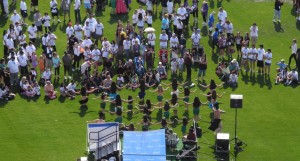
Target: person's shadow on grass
point(83, 111)
point(277, 27)
point(245, 76)
point(268, 82)
point(260, 80)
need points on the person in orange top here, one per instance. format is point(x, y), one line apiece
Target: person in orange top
point(41, 63)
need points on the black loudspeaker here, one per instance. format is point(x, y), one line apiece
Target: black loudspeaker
point(214, 124)
point(222, 143)
point(236, 101)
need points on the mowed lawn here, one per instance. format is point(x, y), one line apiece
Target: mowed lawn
point(42, 130)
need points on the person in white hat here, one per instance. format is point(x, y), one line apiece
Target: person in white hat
point(161, 70)
point(174, 41)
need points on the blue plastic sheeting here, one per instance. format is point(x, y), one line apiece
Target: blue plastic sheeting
point(144, 146)
point(102, 124)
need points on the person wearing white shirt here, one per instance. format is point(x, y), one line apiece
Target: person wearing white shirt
point(98, 31)
point(268, 61)
point(163, 40)
point(51, 40)
point(22, 38)
point(5, 6)
point(222, 15)
point(114, 48)
point(87, 30)
point(180, 62)
point(77, 5)
point(196, 37)
point(228, 27)
point(245, 52)
point(22, 59)
point(105, 52)
point(69, 31)
point(294, 51)
point(47, 20)
point(87, 43)
point(149, 6)
point(149, 19)
point(174, 41)
point(170, 6)
point(47, 74)
point(32, 30)
point(78, 31)
point(260, 58)
point(87, 54)
point(151, 39)
point(233, 78)
point(252, 55)
point(54, 10)
point(13, 67)
point(30, 48)
point(105, 42)
point(135, 39)
point(85, 66)
point(96, 57)
point(23, 8)
point(127, 45)
point(292, 77)
point(18, 28)
point(92, 22)
point(72, 87)
point(9, 42)
point(77, 55)
point(254, 33)
point(134, 18)
point(182, 14)
point(15, 18)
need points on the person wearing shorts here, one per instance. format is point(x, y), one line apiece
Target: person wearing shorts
point(23, 10)
point(87, 5)
point(54, 10)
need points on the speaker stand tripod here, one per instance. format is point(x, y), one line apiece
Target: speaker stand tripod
point(239, 145)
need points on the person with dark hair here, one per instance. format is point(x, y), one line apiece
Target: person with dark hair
point(212, 85)
point(5, 93)
point(84, 97)
point(174, 103)
point(196, 108)
point(217, 116)
point(294, 51)
point(277, 10)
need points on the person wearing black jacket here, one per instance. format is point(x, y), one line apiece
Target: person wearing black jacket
point(188, 64)
point(277, 10)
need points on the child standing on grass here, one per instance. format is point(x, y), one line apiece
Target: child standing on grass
point(56, 64)
point(196, 108)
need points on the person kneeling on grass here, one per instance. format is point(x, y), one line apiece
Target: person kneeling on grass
point(233, 80)
point(162, 71)
point(64, 91)
point(292, 77)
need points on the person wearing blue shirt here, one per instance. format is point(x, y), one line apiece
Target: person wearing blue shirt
point(281, 65)
point(215, 38)
point(220, 27)
point(211, 21)
point(165, 24)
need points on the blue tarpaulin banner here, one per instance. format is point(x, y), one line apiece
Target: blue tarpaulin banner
point(144, 146)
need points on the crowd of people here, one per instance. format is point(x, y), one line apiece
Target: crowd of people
point(130, 57)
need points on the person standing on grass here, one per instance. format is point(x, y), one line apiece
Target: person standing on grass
point(54, 10)
point(13, 68)
point(294, 51)
point(38, 22)
point(65, 5)
point(46, 20)
point(260, 58)
point(67, 62)
point(202, 68)
point(254, 33)
point(23, 10)
point(204, 11)
point(99, 29)
point(268, 60)
point(252, 56)
point(277, 10)
point(222, 15)
point(77, 5)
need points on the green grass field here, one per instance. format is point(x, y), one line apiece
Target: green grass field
point(42, 130)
